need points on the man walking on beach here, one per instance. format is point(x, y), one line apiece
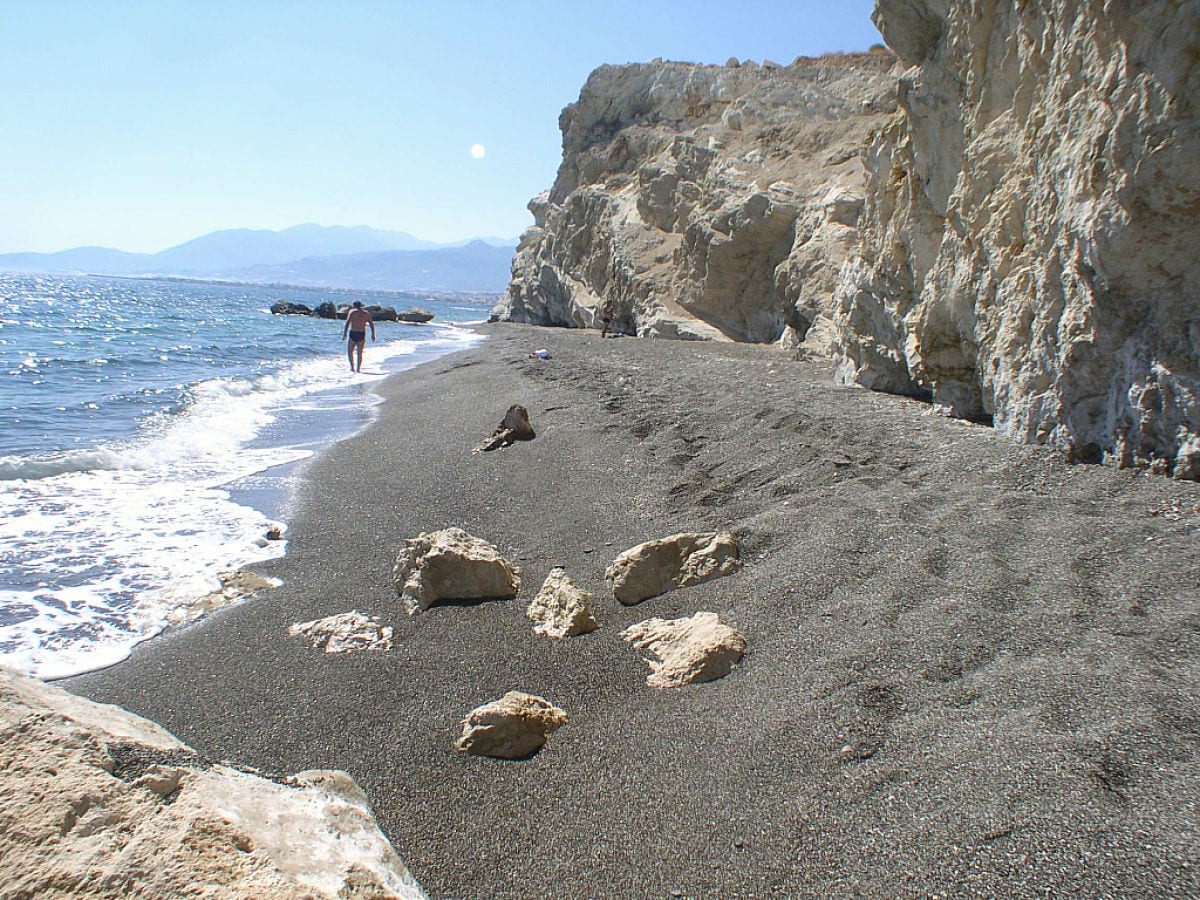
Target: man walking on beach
point(357, 320)
point(606, 317)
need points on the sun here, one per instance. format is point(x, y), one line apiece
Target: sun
point(478, 150)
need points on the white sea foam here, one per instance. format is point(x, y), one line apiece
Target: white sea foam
point(103, 544)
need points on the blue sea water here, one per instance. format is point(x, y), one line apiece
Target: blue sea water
point(150, 432)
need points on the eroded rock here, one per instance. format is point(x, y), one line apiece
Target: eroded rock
point(513, 727)
point(452, 565)
point(345, 632)
point(561, 607)
point(98, 802)
point(680, 560)
point(513, 427)
point(696, 649)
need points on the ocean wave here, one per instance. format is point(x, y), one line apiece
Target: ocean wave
point(103, 545)
point(15, 468)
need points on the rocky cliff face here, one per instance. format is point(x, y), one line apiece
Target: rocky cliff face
point(1007, 226)
point(1031, 250)
point(692, 197)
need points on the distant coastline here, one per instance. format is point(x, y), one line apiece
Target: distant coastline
point(471, 298)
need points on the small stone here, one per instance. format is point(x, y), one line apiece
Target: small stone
point(345, 632)
point(690, 650)
point(560, 608)
point(681, 560)
point(513, 727)
point(513, 427)
point(452, 565)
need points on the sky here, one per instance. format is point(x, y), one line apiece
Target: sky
point(140, 124)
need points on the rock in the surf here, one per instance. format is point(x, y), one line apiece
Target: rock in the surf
point(288, 308)
point(513, 727)
point(680, 560)
point(416, 316)
point(452, 565)
point(236, 586)
point(560, 608)
point(383, 313)
point(345, 632)
point(689, 650)
point(99, 803)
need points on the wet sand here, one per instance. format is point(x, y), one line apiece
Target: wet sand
point(973, 669)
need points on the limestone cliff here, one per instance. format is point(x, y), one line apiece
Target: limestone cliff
point(692, 197)
point(1031, 249)
point(1007, 226)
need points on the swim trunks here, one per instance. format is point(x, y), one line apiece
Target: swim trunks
point(356, 336)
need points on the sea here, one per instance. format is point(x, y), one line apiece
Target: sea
point(152, 435)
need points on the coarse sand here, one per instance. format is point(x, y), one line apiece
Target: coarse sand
point(972, 667)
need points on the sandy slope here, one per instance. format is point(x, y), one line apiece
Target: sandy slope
point(972, 668)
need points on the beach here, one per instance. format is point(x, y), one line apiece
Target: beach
point(973, 669)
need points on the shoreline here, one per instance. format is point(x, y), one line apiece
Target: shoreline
point(223, 515)
point(969, 662)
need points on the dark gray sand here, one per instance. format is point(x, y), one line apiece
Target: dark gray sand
point(972, 668)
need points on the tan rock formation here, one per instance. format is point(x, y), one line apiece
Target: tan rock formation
point(684, 189)
point(696, 649)
point(345, 632)
point(513, 727)
point(561, 607)
point(452, 565)
point(98, 802)
point(1031, 226)
point(680, 560)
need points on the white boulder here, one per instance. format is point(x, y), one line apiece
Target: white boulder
point(98, 802)
point(452, 565)
point(560, 608)
point(696, 649)
point(680, 560)
point(513, 727)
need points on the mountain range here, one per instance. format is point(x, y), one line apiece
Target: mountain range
point(315, 255)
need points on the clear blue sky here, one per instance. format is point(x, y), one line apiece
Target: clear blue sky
point(139, 124)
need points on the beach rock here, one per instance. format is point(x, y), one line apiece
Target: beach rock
point(689, 650)
point(513, 427)
point(288, 308)
point(100, 803)
point(680, 560)
point(416, 315)
point(326, 310)
point(345, 632)
point(560, 608)
point(235, 586)
point(452, 565)
point(513, 727)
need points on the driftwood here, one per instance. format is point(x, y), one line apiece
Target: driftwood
point(514, 427)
